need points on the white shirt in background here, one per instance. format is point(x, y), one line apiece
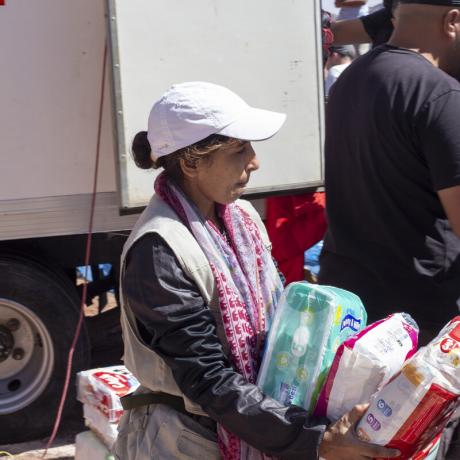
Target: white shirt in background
point(332, 75)
point(352, 12)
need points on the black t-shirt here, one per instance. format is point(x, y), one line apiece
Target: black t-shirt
point(392, 141)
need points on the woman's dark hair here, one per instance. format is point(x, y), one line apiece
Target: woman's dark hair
point(191, 154)
point(141, 151)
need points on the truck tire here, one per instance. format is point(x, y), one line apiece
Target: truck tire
point(39, 310)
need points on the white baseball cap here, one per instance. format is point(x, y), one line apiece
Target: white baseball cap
point(190, 112)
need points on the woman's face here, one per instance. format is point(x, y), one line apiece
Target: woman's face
point(222, 178)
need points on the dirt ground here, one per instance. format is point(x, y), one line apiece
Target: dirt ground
point(62, 449)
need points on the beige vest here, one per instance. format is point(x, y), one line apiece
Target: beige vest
point(148, 367)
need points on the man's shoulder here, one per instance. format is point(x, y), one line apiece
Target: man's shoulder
point(420, 68)
point(404, 73)
point(431, 84)
point(437, 76)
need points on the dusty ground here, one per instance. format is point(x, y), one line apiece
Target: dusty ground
point(62, 449)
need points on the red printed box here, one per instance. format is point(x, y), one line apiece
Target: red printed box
point(414, 407)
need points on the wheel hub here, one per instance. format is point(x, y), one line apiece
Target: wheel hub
point(26, 356)
point(6, 343)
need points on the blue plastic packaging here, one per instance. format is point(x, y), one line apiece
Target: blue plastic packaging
point(310, 323)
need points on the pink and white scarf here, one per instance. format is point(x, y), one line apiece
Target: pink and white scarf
point(248, 285)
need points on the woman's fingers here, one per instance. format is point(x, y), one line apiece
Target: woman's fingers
point(366, 449)
point(340, 441)
point(374, 451)
point(357, 412)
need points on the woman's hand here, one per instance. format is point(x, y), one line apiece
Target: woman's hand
point(340, 441)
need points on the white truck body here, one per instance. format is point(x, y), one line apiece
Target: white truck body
point(51, 60)
point(50, 91)
point(268, 52)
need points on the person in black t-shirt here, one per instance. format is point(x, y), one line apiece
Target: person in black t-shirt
point(375, 28)
point(392, 163)
point(392, 158)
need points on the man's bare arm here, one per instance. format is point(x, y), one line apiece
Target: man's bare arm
point(340, 3)
point(450, 199)
point(349, 31)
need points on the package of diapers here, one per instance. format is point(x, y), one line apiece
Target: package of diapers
point(98, 423)
point(89, 447)
point(310, 323)
point(365, 362)
point(415, 406)
point(103, 387)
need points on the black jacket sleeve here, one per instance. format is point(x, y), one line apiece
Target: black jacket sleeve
point(378, 26)
point(176, 324)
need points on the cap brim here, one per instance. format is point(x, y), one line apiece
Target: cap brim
point(254, 125)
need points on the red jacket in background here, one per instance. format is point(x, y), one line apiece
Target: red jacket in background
point(294, 224)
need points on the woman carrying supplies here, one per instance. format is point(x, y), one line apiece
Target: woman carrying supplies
point(199, 288)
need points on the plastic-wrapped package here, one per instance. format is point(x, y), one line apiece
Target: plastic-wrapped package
point(365, 362)
point(98, 423)
point(430, 451)
point(415, 406)
point(89, 447)
point(103, 387)
point(310, 323)
point(311, 258)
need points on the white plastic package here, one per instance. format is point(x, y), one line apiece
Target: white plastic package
point(103, 387)
point(97, 422)
point(89, 447)
point(365, 362)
